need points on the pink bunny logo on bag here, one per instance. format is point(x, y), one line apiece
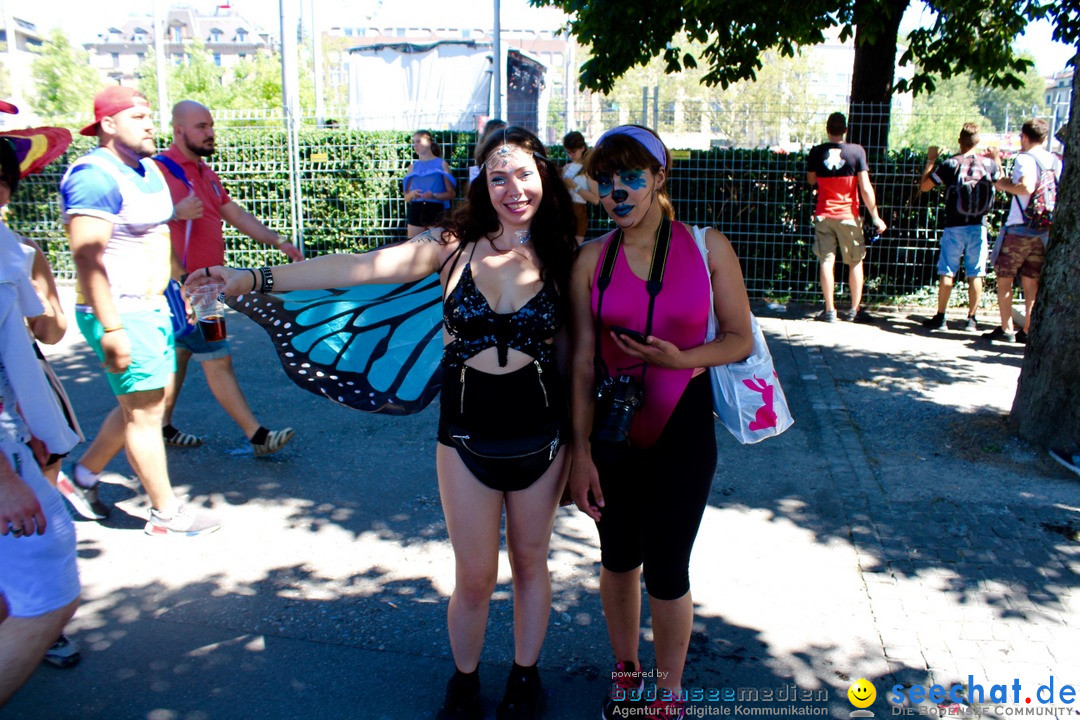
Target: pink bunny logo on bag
point(766, 416)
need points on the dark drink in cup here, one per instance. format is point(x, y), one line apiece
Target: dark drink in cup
point(209, 311)
point(212, 328)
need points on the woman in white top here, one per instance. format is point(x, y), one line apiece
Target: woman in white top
point(577, 182)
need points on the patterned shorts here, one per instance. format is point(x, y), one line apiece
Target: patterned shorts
point(1020, 255)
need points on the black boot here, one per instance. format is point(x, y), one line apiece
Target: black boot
point(524, 695)
point(462, 700)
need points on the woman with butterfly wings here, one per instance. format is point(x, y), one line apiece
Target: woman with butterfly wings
point(503, 263)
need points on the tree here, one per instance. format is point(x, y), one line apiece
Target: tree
point(769, 110)
point(254, 83)
point(936, 120)
point(1046, 409)
point(966, 36)
point(63, 77)
point(196, 78)
point(1007, 108)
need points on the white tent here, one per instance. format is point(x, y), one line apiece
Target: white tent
point(445, 85)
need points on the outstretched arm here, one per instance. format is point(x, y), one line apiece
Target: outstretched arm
point(245, 222)
point(403, 262)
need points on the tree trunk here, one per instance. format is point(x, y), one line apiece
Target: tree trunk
point(1046, 409)
point(877, 25)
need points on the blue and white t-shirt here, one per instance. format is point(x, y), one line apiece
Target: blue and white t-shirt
point(138, 204)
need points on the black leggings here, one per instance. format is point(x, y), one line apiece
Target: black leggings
point(654, 497)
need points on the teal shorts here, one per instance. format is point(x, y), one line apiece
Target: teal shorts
point(153, 358)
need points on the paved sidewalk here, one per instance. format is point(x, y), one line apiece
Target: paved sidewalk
point(897, 532)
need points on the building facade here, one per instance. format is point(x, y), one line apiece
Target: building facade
point(122, 48)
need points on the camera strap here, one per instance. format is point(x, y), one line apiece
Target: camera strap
point(653, 285)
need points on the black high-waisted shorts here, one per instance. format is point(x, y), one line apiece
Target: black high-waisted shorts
point(506, 428)
point(425, 213)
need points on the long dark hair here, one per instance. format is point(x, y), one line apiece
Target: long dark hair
point(552, 228)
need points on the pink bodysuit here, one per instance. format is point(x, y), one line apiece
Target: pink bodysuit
point(679, 316)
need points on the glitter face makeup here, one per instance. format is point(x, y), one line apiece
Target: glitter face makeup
point(514, 186)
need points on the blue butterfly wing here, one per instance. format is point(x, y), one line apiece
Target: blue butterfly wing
point(376, 348)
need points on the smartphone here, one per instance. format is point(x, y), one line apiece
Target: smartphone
point(632, 334)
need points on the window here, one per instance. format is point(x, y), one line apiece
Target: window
point(116, 60)
point(217, 59)
point(241, 35)
point(177, 33)
point(215, 35)
point(348, 32)
point(241, 55)
point(139, 35)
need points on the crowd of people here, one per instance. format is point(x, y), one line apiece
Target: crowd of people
point(572, 371)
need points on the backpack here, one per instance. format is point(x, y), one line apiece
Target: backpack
point(1039, 211)
point(974, 189)
point(173, 296)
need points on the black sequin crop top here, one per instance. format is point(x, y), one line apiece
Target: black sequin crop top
point(475, 327)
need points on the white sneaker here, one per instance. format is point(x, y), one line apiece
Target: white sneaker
point(188, 522)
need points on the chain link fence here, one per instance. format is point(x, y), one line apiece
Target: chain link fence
point(751, 185)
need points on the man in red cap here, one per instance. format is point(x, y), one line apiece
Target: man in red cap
point(116, 209)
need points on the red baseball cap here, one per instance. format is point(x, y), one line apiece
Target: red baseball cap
point(8, 108)
point(111, 100)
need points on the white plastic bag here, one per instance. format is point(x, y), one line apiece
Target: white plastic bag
point(747, 396)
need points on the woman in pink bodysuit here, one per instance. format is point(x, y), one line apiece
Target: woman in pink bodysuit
point(646, 481)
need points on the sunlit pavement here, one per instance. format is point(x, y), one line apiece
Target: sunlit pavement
point(896, 533)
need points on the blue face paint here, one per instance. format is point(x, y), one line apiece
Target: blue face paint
point(633, 179)
point(604, 185)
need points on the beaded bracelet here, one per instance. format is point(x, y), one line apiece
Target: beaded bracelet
point(267, 280)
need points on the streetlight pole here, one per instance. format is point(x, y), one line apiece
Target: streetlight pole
point(159, 65)
point(290, 90)
point(317, 63)
point(497, 50)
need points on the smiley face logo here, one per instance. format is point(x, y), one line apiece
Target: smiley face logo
point(862, 693)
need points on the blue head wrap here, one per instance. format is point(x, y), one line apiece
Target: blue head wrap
point(644, 138)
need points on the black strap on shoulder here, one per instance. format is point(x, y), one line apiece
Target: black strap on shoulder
point(653, 285)
point(452, 256)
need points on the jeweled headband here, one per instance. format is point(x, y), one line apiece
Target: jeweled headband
point(501, 154)
point(645, 138)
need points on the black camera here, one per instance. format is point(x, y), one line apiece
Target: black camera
point(617, 399)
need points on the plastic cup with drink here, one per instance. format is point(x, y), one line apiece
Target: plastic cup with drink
point(209, 310)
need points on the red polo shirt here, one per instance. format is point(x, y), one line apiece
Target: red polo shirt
point(207, 245)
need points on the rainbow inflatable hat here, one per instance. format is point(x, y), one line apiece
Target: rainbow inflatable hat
point(35, 147)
